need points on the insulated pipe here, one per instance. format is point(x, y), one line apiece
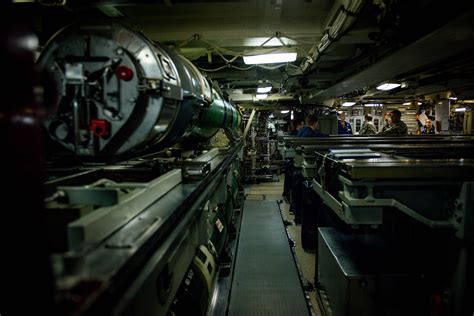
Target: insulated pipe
point(343, 19)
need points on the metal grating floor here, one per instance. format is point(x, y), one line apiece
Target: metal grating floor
point(266, 280)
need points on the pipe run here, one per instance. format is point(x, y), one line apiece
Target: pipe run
point(339, 25)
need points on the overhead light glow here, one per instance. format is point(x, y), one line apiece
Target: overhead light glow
point(270, 56)
point(110, 10)
point(265, 41)
point(348, 103)
point(285, 111)
point(388, 86)
point(373, 104)
point(460, 110)
point(261, 96)
point(264, 89)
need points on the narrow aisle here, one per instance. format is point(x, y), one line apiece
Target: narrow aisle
point(272, 191)
point(266, 280)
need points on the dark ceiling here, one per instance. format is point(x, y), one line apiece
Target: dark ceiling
point(345, 48)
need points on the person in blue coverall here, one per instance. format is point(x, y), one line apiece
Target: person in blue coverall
point(343, 127)
point(299, 124)
point(312, 129)
point(296, 181)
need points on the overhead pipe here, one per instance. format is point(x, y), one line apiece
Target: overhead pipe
point(342, 20)
point(450, 41)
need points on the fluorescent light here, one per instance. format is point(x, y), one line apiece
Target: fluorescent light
point(261, 96)
point(270, 56)
point(460, 110)
point(259, 41)
point(388, 86)
point(409, 103)
point(264, 89)
point(373, 104)
point(285, 111)
point(348, 103)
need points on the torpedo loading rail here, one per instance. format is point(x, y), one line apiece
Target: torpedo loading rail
point(434, 192)
point(131, 232)
point(297, 147)
point(358, 176)
point(369, 198)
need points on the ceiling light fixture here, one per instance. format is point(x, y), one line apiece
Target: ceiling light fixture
point(267, 42)
point(269, 56)
point(261, 96)
point(409, 103)
point(388, 86)
point(265, 89)
point(348, 103)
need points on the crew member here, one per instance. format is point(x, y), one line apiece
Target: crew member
point(299, 124)
point(312, 129)
point(368, 128)
point(428, 128)
point(343, 127)
point(396, 125)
